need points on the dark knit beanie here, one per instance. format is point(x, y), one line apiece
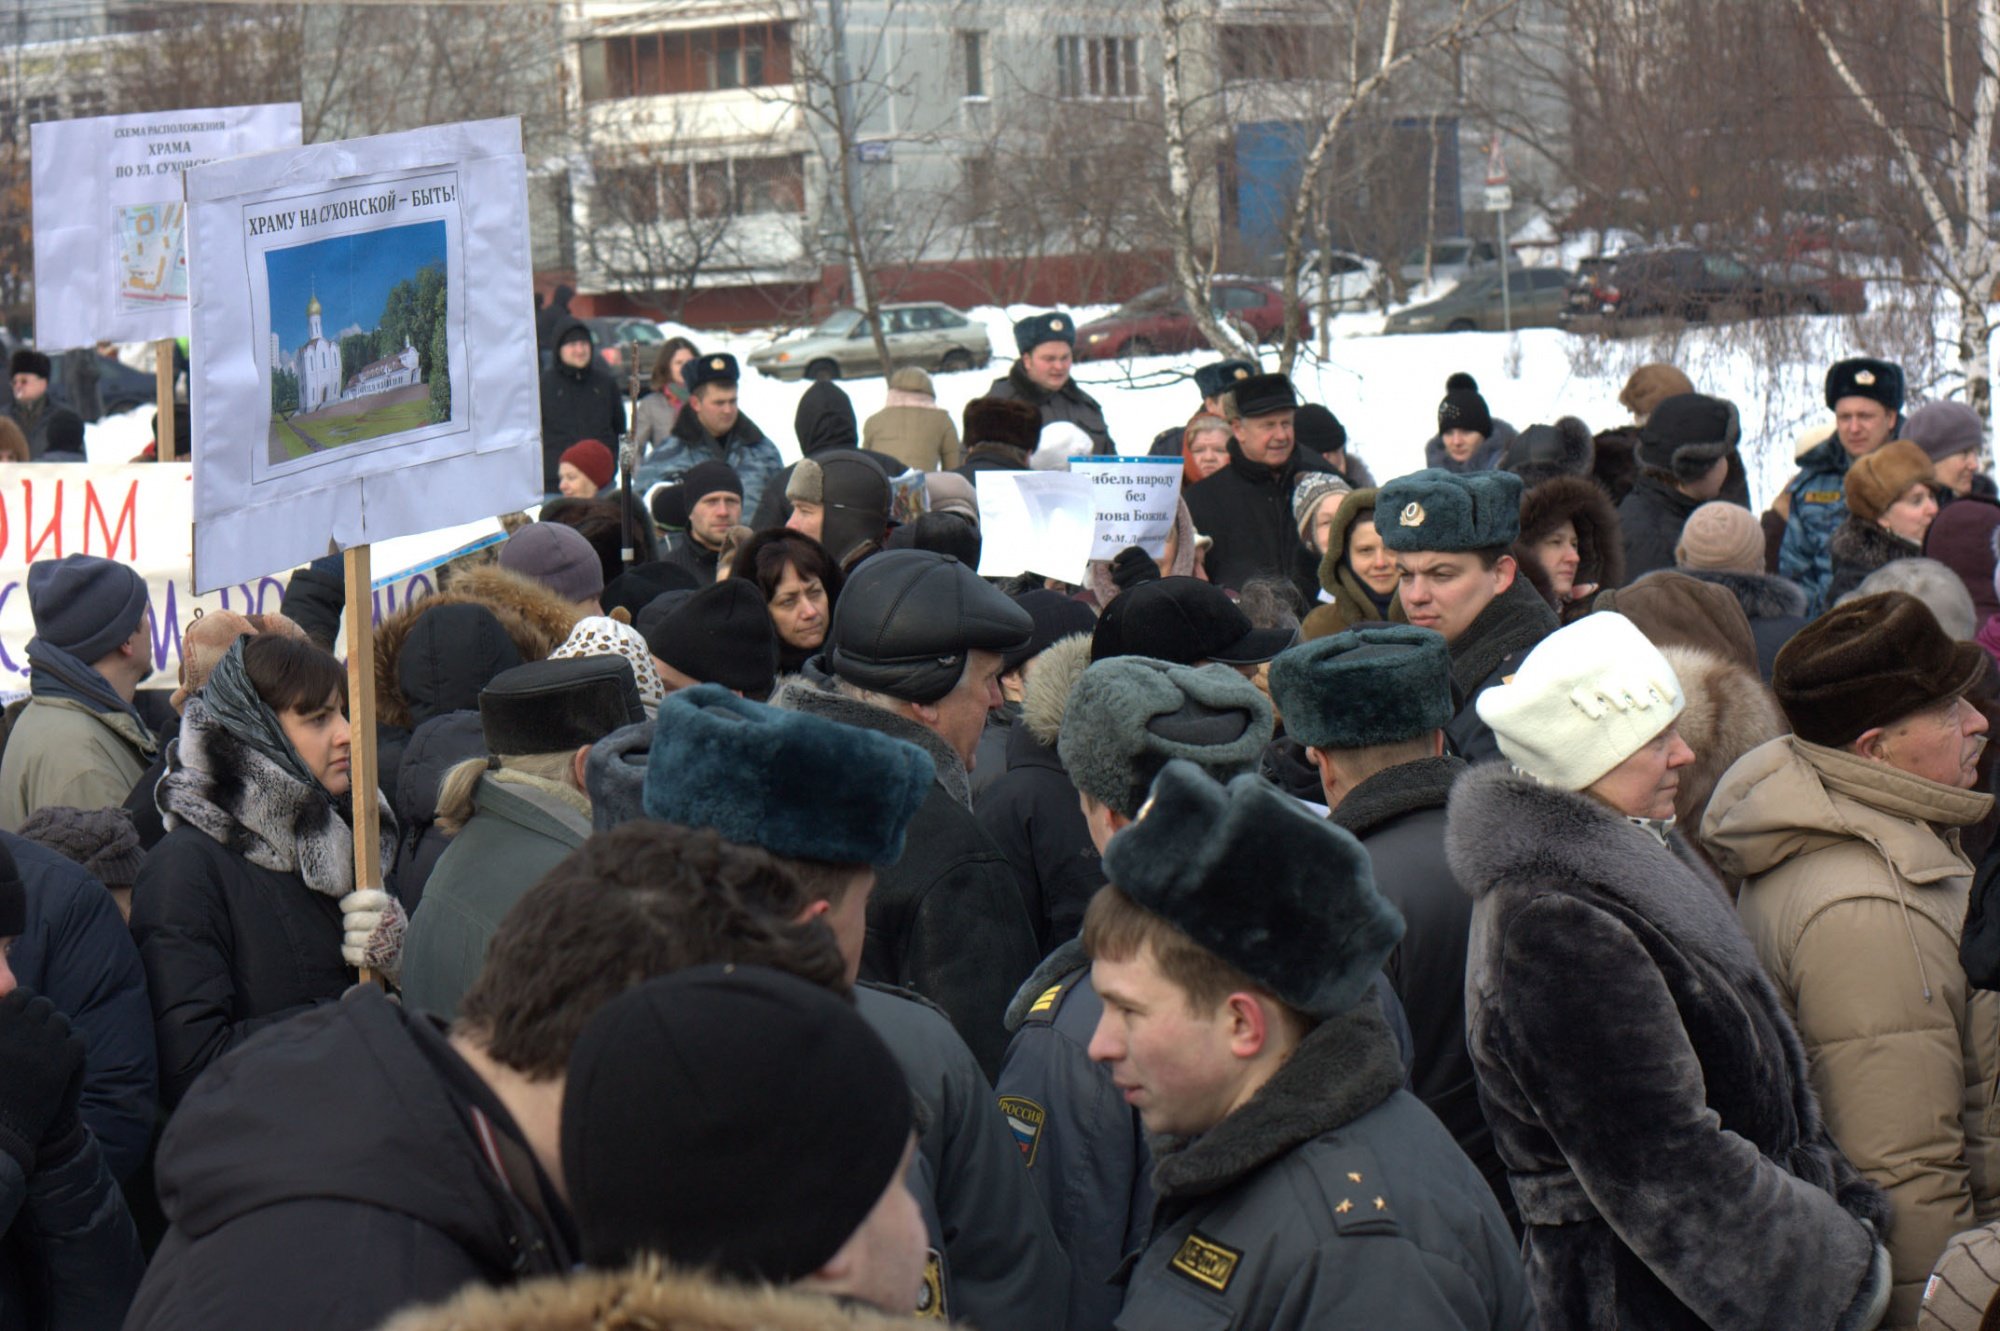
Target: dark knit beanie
point(593, 459)
point(639, 586)
point(1002, 420)
point(1247, 872)
point(1056, 616)
point(1319, 429)
point(64, 435)
point(710, 477)
point(103, 841)
point(665, 1085)
point(1464, 409)
point(13, 897)
point(1869, 663)
point(1946, 429)
point(722, 634)
point(794, 784)
point(85, 605)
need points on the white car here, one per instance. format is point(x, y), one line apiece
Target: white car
point(1452, 260)
point(1354, 282)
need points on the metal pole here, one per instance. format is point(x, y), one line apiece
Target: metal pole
point(1506, 275)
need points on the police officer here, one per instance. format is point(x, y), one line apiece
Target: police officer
point(1211, 381)
point(1126, 718)
point(718, 761)
point(1042, 379)
point(1298, 1184)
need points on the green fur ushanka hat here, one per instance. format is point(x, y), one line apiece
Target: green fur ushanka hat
point(1441, 510)
point(1374, 684)
point(795, 785)
point(1128, 716)
point(1248, 873)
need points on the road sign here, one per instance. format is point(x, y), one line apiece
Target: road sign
point(1496, 162)
point(1499, 198)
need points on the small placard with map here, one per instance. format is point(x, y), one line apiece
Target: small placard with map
point(110, 219)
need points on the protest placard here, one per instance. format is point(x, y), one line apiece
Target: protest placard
point(1034, 522)
point(352, 382)
point(142, 514)
point(110, 251)
point(1135, 502)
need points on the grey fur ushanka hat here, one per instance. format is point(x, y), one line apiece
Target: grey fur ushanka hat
point(1128, 716)
point(1248, 873)
point(1373, 684)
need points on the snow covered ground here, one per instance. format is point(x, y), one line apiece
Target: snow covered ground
point(1384, 389)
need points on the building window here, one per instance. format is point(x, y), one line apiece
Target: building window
point(43, 108)
point(770, 185)
point(1282, 52)
point(977, 196)
point(629, 194)
point(1100, 67)
point(651, 64)
point(739, 187)
point(972, 53)
point(83, 105)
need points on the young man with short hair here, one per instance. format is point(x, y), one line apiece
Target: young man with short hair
point(580, 399)
point(1298, 1184)
point(713, 427)
point(1451, 534)
point(714, 496)
point(1041, 378)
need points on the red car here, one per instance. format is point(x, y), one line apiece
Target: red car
point(1155, 323)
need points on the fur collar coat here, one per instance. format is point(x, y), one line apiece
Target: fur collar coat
point(1645, 1086)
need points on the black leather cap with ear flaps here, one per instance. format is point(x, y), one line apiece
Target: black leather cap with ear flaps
point(907, 618)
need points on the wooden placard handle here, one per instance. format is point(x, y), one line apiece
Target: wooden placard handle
point(361, 720)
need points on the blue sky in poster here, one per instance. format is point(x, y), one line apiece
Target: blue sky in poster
point(351, 275)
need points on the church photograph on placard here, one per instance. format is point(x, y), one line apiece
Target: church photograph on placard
point(359, 347)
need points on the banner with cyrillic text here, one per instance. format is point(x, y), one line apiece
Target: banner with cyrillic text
point(1136, 500)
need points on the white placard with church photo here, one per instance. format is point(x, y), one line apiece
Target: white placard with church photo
point(110, 233)
point(364, 350)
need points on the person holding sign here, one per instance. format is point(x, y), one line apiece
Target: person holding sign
point(1247, 506)
point(246, 913)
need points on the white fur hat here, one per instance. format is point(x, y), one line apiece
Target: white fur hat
point(1588, 697)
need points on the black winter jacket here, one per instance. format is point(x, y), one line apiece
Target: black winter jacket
point(946, 920)
point(437, 746)
point(577, 404)
point(331, 1172)
point(1247, 509)
point(1398, 816)
point(1858, 548)
point(1651, 518)
point(1068, 403)
point(69, 1255)
point(1492, 647)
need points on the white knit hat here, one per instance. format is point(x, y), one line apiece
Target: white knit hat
point(1588, 697)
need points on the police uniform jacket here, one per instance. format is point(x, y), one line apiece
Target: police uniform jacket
point(1085, 1151)
point(994, 1262)
point(1068, 403)
point(1085, 1147)
point(1333, 1198)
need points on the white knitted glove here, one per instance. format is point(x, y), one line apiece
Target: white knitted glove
point(372, 924)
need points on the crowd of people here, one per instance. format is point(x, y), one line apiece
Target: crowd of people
point(1534, 890)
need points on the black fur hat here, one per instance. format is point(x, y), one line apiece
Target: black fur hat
point(1687, 434)
point(1002, 420)
point(1376, 684)
point(1864, 376)
point(558, 706)
point(1542, 452)
point(29, 361)
point(1247, 872)
point(719, 368)
point(1217, 378)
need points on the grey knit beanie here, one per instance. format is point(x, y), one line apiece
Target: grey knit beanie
point(103, 841)
point(1129, 716)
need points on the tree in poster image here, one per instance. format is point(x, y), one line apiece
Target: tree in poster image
point(440, 380)
point(412, 313)
point(284, 390)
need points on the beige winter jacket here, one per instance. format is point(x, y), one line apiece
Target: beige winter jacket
point(61, 753)
point(1854, 895)
point(921, 437)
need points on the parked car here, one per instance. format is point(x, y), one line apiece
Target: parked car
point(624, 341)
point(928, 334)
point(1155, 322)
point(1679, 283)
point(1811, 287)
point(1353, 281)
point(1536, 298)
point(1452, 260)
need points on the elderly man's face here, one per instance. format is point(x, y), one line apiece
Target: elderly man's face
point(1941, 743)
point(29, 387)
point(1266, 439)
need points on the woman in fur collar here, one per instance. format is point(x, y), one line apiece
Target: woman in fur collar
point(1890, 507)
point(246, 912)
point(1645, 1088)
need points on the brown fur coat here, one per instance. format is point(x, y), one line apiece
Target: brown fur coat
point(1729, 712)
point(535, 618)
point(646, 1298)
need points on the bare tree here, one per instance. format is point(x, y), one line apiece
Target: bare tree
point(1945, 153)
